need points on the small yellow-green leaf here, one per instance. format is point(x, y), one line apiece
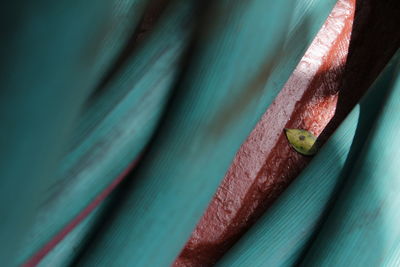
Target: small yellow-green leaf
point(302, 141)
